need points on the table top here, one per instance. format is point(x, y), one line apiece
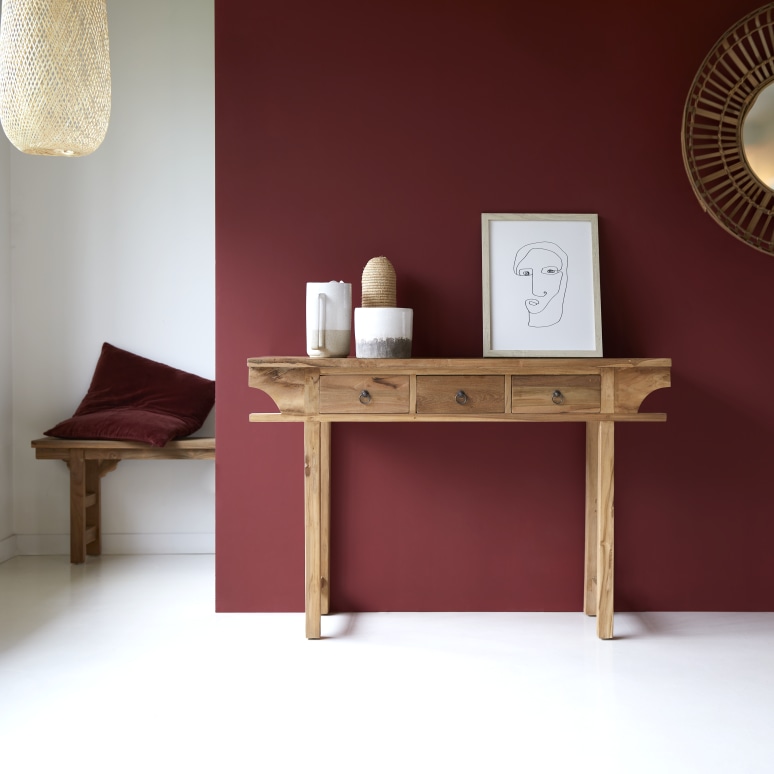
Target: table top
point(569, 365)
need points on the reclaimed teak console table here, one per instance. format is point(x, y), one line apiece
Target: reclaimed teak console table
point(597, 391)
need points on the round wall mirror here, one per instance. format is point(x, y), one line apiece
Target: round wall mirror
point(728, 130)
point(758, 135)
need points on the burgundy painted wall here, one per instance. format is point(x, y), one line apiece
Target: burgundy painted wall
point(347, 130)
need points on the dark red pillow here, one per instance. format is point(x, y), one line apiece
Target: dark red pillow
point(132, 398)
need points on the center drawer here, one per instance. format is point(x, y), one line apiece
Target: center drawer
point(363, 394)
point(460, 394)
point(556, 394)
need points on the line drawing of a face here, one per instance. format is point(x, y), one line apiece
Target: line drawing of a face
point(543, 267)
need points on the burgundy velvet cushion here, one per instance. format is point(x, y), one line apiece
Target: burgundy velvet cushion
point(132, 398)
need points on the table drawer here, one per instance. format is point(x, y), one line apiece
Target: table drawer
point(364, 394)
point(555, 394)
point(460, 394)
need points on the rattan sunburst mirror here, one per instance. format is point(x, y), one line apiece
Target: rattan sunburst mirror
point(738, 69)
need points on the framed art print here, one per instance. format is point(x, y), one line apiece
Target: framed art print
point(541, 285)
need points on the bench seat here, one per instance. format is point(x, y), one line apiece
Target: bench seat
point(89, 461)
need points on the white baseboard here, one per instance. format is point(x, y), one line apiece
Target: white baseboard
point(173, 543)
point(42, 545)
point(176, 543)
point(8, 548)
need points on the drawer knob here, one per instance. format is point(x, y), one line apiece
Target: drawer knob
point(557, 397)
point(365, 397)
point(461, 398)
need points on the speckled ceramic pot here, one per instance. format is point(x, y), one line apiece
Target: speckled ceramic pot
point(383, 331)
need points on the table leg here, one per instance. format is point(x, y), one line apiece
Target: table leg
point(598, 574)
point(325, 517)
point(605, 531)
point(590, 564)
point(312, 530)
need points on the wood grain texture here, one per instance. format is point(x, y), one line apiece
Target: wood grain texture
point(77, 465)
point(278, 370)
point(607, 390)
point(605, 529)
point(633, 386)
point(462, 417)
point(597, 391)
point(460, 394)
point(325, 518)
point(89, 461)
point(93, 507)
point(592, 489)
point(312, 529)
point(536, 394)
point(364, 394)
point(185, 448)
point(285, 386)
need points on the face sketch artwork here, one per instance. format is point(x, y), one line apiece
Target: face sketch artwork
point(543, 267)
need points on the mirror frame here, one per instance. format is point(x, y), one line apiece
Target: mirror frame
point(734, 72)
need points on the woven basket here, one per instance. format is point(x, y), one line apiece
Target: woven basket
point(379, 283)
point(54, 75)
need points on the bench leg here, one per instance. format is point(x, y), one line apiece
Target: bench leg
point(85, 507)
point(77, 465)
point(93, 508)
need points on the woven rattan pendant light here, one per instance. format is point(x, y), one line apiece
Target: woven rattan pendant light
point(54, 75)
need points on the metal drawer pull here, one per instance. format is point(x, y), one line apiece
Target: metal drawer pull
point(461, 398)
point(557, 398)
point(365, 397)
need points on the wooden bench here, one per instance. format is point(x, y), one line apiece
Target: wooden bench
point(89, 461)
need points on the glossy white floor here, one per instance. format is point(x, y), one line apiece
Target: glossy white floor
point(122, 665)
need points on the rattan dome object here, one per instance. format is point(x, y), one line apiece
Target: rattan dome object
point(55, 88)
point(379, 283)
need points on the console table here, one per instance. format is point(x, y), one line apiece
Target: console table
point(597, 391)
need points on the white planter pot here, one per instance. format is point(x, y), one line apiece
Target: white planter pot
point(382, 331)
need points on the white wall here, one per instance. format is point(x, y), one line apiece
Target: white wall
point(7, 541)
point(119, 246)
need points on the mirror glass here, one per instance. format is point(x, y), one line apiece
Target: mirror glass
point(758, 135)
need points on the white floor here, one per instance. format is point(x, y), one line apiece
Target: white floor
point(122, 665)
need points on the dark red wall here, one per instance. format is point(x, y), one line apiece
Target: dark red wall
point(348, 129)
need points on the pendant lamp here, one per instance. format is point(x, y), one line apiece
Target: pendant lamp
point(54, 75)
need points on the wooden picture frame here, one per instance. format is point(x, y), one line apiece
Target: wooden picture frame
point(540, 279)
